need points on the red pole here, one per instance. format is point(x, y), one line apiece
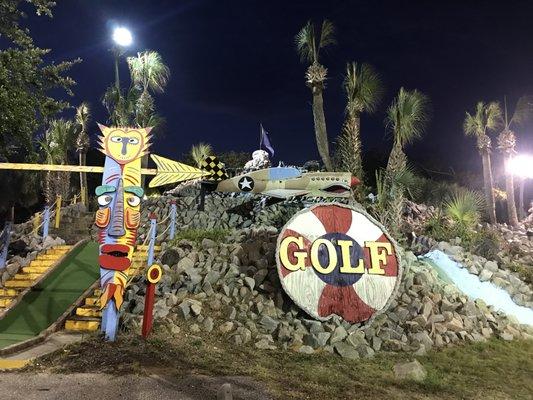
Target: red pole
point(153, 275)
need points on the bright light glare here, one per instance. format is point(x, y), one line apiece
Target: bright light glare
point(122, 36)
point(521, 165)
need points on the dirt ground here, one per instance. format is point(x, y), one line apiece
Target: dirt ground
point(198, 365)
point(94, 386)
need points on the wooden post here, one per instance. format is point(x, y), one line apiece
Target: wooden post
point(58, 212)
point(172, 219)
point(36, 223)
point(153, 276)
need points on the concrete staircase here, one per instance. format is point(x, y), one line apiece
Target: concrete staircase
point(88, 316)
point(29, 274)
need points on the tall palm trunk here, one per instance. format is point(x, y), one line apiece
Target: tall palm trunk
point(320, 127)
point(397, 159)
point(488, 186)
point(509, 188)
point(83, 180)
point(352, 128)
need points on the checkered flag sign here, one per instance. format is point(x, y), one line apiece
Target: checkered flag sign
point(217, 169)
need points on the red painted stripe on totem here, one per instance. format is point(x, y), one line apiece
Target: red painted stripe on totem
point(343, 301)
point(292, 247)
point(111, 178)
point(391, 269)
point(334, 218)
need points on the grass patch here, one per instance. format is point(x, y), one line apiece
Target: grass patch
point(197, 235)
point(492, 370)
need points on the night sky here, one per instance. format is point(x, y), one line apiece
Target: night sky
point(234, 65)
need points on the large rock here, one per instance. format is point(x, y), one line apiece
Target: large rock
point(412, 371)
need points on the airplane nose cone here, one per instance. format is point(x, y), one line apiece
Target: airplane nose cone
point(354, 182)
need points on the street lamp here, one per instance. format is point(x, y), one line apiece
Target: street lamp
point(522, 167)
point(122, 38)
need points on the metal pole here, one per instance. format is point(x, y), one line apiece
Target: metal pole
point(117, 79)
point(6, 237)
point(172, 219)
point(46, 221)
point(153, 227)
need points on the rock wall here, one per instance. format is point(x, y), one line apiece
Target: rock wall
point(232, 288)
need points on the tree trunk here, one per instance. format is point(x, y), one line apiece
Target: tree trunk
point(397, 159)
point(488, 186)
point(320, 127)
point(511, 204)
point(83, 180)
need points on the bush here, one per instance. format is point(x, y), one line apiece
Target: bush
point(197, 235)
point(485, 243)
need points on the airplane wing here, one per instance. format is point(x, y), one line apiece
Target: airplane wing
point(273, 174)
point(285, 193)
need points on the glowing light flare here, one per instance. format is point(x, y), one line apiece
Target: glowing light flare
point(122, 36)
point(521, 165)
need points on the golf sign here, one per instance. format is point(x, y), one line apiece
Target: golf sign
point(335, 260)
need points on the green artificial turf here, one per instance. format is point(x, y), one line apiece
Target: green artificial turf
point(48, 300)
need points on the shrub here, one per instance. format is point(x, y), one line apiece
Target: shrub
point(485, 243)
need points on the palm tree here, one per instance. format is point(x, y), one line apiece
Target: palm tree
point(407, 118)
point(486, 118)
point(58, 140)
point(82, 146)
point(148, 73)
point(200, 151)
point(507, 143)
point(309, 42)
point(364, 89)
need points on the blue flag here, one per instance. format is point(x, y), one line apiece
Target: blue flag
point(266, 141)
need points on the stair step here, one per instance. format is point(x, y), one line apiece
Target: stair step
point(18, 284)
point(82, 324)
point(41, 263)
point(35, 270)
point(27, 277)
point(8, 292)
point(89, 311)
point(4, 302)
point(92, 301)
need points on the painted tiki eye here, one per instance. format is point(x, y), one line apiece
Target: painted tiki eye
point(134, 201)
point(116, 139)
point(104, 199)
point(133, 140)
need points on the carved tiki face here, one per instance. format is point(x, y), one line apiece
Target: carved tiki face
point(119, 196)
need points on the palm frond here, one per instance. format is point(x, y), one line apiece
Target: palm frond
point(487, 117)
point(464, 207)
point(200, 151)
point(148, 71)
point(327, 35)
point(523, 112)
point(408, 115)
point(363, 88)
point(306, 44)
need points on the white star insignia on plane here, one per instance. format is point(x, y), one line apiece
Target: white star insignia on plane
point(246, 183)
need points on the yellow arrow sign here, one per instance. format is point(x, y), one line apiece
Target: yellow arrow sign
point(167, 171)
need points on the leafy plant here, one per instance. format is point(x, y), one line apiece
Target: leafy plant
point(200, 151)
point(464, 207)
point(197, 235)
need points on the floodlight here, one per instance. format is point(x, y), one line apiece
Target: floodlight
point(122, 36)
